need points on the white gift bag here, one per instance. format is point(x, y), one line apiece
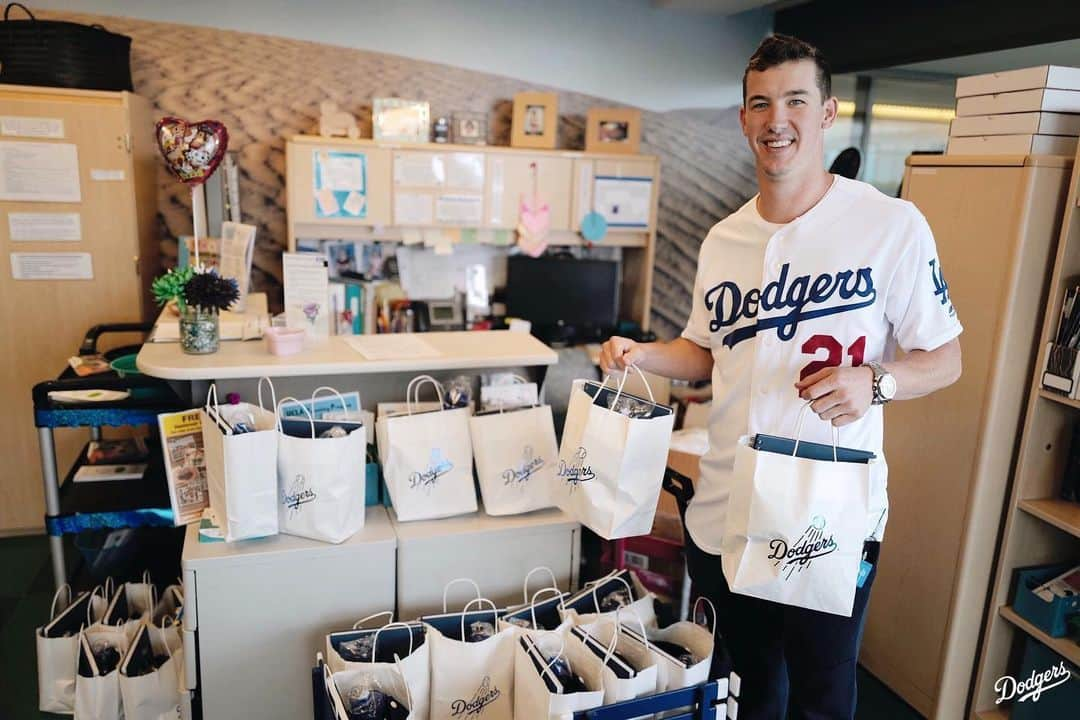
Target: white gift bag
point(131, 605)
point(538, 695)
point(516, 457)
point(380, 691)
point(427, 459)
point(322, 482)
point(538, 616)
point(58, 647)
point(602, 598)
point(97, 688)
point(240, 446)
point(397, 645)
point(148, 692)
point(674, 673)
point(470, 679)
point(604, 638)
point(795, 527)
point(611, 465)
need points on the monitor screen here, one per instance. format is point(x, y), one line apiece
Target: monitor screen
point(550, 291)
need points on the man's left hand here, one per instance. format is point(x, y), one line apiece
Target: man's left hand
point(841, 395)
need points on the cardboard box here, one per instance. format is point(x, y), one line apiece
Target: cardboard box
point(1030, 123)
point(1042, 76)
point(1064, 101)
point(1012, 145)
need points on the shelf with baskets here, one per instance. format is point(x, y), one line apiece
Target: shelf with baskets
point(1042, 528)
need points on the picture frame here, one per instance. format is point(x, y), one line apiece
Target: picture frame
point(469, 128)
point(400, 120)
point(615, 131)
point(535, 121)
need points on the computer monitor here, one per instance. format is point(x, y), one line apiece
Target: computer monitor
point(565, 299)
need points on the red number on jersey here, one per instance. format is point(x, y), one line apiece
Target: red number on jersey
point(835, 352)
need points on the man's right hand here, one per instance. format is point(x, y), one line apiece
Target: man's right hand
point(619, 353)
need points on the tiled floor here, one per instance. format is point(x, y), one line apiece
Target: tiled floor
point(26, 591)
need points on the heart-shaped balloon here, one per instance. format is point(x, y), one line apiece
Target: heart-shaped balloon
point(535, 217)
point(192, 151)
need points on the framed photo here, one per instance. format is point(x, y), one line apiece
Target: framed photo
point(613, 130)
point(536, 120)
point(397, 120)
point(469, 129)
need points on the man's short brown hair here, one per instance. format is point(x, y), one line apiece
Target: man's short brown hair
point(778, 49)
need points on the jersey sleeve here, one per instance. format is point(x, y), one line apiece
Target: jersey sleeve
point(697, 325)
point(919, 306)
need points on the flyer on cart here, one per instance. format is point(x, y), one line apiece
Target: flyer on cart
point(185, 469)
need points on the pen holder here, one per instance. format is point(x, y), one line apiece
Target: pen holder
point(1061, 372)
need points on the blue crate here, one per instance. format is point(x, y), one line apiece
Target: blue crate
point(1050, 617)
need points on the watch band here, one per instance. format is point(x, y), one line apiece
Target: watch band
point(879, 372)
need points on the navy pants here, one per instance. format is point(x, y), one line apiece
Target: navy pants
point(793, 662)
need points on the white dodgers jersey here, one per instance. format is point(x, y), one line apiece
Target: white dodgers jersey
point(849, 281)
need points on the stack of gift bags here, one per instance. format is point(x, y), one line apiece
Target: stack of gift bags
point(114, 652)
point(554, 654)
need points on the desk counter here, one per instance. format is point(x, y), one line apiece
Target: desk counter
point(333, 356)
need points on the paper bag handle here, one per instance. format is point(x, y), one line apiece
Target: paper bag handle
point(641, 624)
point(465, 611)
point(389, 613)
point(455, 581)
point(562, 647)
point(693, 615)
point(414, 387)
point(799, 427)
point(273, 393)
point(344, 408)
point(532, 603)
point(375, 642)
point(307, 412)
point(56, 596)
point(601, 581)
point(539, 568)
point(626, 374)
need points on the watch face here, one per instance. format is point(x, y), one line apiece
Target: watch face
point(887, 387)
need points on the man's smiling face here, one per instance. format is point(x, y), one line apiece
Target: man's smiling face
point(784, 119)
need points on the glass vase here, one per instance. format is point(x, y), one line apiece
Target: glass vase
point(199, 331)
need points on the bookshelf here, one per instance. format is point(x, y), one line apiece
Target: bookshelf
point(1039, 528)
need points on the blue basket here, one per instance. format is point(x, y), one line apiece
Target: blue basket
point(1054, 700)
point(1050, 617)
point(372, 485)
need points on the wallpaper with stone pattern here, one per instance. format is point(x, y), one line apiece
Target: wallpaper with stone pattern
point(267, 88)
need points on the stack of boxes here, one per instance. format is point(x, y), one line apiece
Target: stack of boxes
point(1035, 111)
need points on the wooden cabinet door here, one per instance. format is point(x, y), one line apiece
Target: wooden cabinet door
point(43, 321)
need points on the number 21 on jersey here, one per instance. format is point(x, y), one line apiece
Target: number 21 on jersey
point(835, 353)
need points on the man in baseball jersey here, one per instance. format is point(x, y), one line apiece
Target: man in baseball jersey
point(802, 294)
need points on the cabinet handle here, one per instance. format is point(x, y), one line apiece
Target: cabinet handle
point(135, 259)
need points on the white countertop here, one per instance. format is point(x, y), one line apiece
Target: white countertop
point(333, 356)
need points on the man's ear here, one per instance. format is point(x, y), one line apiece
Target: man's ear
point(832, 107)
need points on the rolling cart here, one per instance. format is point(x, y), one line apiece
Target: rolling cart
point(72, 507)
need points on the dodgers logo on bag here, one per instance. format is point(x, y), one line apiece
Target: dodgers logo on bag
point(521, 474)
point(484, 696)
point(438, 465)
point(299, 494)
point(811, 545)
point(578, 472)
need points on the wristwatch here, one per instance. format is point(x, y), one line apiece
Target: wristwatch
point(884, 384)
